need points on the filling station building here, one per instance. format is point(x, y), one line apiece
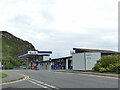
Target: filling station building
point(33, 57)
point(85, 59)
point(81, 59)
point(62, 63)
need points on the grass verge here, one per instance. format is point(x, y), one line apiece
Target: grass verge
point(3, 75)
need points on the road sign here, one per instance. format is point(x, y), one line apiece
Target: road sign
point(32, 52)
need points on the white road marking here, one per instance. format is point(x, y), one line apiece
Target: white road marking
point(38, 84)
point(41, 83)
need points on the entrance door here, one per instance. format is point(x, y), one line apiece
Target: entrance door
point(69, 64)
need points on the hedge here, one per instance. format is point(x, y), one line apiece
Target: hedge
point(108, 64)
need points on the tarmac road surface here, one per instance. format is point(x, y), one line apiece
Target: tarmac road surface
point(56, 80)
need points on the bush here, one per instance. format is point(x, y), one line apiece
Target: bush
point(97, 67)
point(8, 66)
point(106, 60)
point(102, 69)
point(23, 63)
point(10, 62)
point(112, 68)
point(108, 64)
point(117, 68)
point(108, 69)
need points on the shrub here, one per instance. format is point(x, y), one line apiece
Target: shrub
point(8, 66)
point(108, 64)
point(106, 60)
point(108, 69)
point(10, 62)
point(97, 67)
point(23, 63)
point(102, 69)
point(112, 67)
point(117, 68)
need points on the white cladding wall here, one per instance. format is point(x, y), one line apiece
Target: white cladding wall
point(66, 63)
point(91, 59)
point(78, 61)
point(45, 66)
point(45, 58)
point(85, 61)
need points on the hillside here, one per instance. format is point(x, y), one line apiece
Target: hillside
point(12, 46)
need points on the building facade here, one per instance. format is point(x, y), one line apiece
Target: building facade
point(81, 59)
point(85, 59)
point(63, 63)
point(45, 65)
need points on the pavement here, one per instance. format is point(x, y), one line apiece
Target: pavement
point(12, 76)
point(90, 73)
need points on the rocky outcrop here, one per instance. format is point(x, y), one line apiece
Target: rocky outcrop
point(13, 46)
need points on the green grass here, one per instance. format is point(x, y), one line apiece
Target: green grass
point(3, 75)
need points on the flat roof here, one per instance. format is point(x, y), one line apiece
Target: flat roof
point(95, 50)
point(62, 58)
point(39, 53)
point(45, 61)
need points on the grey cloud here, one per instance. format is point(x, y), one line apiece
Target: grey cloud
point(21, 19)
point(47, 16)
point(59, 42)
point(62, 42)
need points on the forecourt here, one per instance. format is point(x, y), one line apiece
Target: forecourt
point(50, 79)
point(32, 57)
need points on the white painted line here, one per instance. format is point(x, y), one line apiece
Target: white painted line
point(38, 84)
point(44, 83)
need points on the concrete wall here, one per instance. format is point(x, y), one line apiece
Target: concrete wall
point(85, 61)
point(91, 59)
point(45, 66)
point(78, 61)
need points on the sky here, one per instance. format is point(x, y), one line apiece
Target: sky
point(61, 25)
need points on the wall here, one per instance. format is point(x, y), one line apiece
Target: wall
point(45, 58)
point(45, 66)
point(85, 61)
point(91, 59)
point(78, 61)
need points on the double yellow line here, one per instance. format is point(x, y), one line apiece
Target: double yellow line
point(89, 75)
point(100, 76)
point(25, 78)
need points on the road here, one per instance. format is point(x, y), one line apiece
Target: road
point(56, 80)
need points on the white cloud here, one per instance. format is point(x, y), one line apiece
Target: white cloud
point(60, 25)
